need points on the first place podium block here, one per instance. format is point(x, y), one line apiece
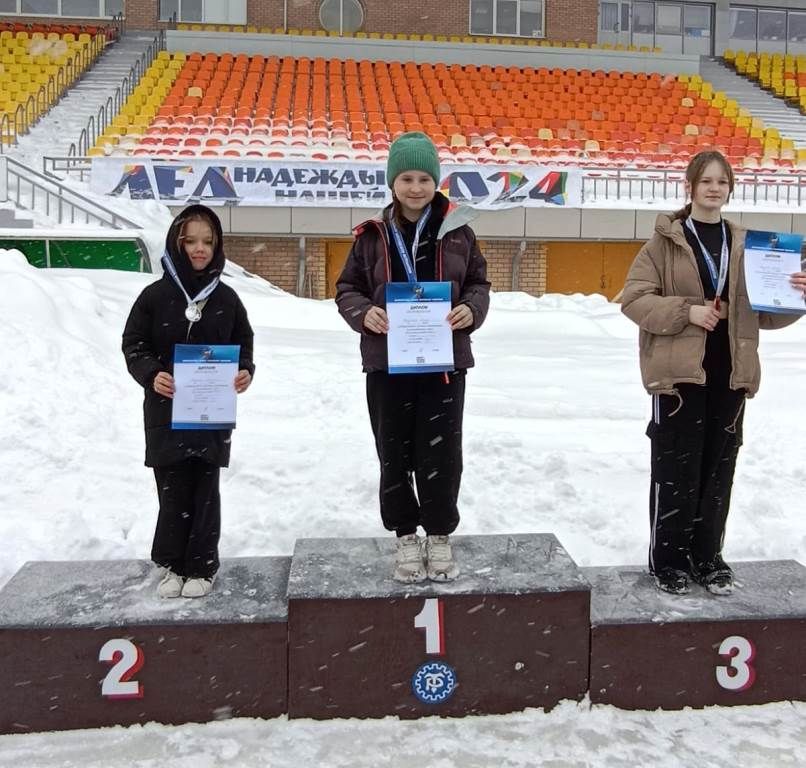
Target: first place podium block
point(650, 649)
point(89, 644)
point(511, 632)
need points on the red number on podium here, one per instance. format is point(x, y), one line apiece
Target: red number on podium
point(431, 619)
point(738, 674)
point(127, 659)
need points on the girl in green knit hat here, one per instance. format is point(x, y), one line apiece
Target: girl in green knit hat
point(416, 417)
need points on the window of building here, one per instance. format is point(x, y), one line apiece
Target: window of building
point(49, 7)
point(88, 9)
point(517, 18)
point(743, 23)
point(608, 17)
point(697, 20)
point(81, 7)
point(204, 11)
point(797, 27)
point(668, 19)
point(342, 16)
point(643, 18)
point(771, 25)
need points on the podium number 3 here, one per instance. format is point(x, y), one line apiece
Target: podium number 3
point(430, 619)
point(127, 659)
point(737, 674)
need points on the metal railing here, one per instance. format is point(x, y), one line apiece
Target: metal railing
point(652, 185)
point(119, 22)
point(58, 167)
point(97, 124)
point(33, 191)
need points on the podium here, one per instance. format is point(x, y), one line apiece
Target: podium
point(511, 632)
point(89, 644)
point(650, 649)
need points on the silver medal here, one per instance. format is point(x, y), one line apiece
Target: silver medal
point(193, 313)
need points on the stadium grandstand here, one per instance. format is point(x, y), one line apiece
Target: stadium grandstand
point(567, 124)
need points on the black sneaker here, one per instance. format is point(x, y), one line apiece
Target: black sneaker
point(715, 575)
point(672, 580)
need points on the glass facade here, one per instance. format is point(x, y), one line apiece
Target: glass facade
point(86, 9)
point(774, 30)
point(674, 26)
point(515, 18)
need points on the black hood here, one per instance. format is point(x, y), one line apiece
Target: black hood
point(192, 280)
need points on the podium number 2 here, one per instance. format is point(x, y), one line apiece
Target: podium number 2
point(431, 619)
point(127, 659)
point(738, 674)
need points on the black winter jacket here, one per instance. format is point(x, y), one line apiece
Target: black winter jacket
point(156, 323)
point(368, 268)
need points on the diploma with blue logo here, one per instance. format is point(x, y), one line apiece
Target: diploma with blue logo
point(204, 376)
point(769, 259)
point(420, 339)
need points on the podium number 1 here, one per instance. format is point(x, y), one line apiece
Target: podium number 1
point(431, 619)
point(127, 659)
point(737, 674)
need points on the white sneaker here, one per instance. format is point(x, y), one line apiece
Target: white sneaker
point(170, 585)
point(409, 565)
point(439, 556)
point(198, 587)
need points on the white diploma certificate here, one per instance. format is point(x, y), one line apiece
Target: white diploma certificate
point(204, 376)
point(769, 259)
point(420, 339)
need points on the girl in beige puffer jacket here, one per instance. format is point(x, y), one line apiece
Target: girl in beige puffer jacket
point(698, 345)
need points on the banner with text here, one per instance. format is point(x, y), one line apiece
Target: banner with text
point(317, 183)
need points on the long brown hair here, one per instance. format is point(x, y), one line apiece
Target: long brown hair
point(696, 169)
point(196, 216)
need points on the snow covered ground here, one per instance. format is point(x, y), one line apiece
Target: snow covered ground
point(554, 441)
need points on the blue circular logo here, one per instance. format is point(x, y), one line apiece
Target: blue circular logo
point(434, 682)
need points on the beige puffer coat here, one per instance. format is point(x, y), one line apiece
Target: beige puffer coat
point(663, 282)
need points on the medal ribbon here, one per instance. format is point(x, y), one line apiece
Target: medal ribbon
point(169, 267)
point(407, 258)
point(717, 278)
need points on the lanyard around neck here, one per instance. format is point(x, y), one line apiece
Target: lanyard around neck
point(407, 258)
point(718, 277)
point(192, 313)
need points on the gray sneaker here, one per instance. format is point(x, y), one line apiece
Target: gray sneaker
point(409, 565)
point(170, 585)
point(439, 556)
point(198, 587)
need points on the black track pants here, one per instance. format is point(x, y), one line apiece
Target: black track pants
point(695, 441)
point(189, 522)
point(417, 423)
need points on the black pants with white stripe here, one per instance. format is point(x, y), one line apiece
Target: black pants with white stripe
point(417, 422)
point(189, 522)
point(695, 441)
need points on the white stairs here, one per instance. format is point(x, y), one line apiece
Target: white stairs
point(775, 112)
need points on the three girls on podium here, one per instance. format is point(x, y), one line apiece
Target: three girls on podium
point(698, 351)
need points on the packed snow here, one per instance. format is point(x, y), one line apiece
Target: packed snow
point(554, 442)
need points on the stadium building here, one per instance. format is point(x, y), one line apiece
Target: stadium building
point(567, 123)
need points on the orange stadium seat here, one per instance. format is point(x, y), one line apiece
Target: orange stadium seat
point(259, 106)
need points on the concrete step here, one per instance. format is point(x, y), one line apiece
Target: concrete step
point(9, 219)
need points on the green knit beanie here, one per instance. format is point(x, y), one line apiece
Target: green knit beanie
point(412, 152)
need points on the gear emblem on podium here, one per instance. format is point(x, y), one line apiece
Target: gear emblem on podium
point(434, 682)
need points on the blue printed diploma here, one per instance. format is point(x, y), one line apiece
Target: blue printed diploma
point(769, 259)
point(204, 377)
point(420, 339)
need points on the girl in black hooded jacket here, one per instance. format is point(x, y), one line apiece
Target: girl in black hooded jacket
point(189, 306)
